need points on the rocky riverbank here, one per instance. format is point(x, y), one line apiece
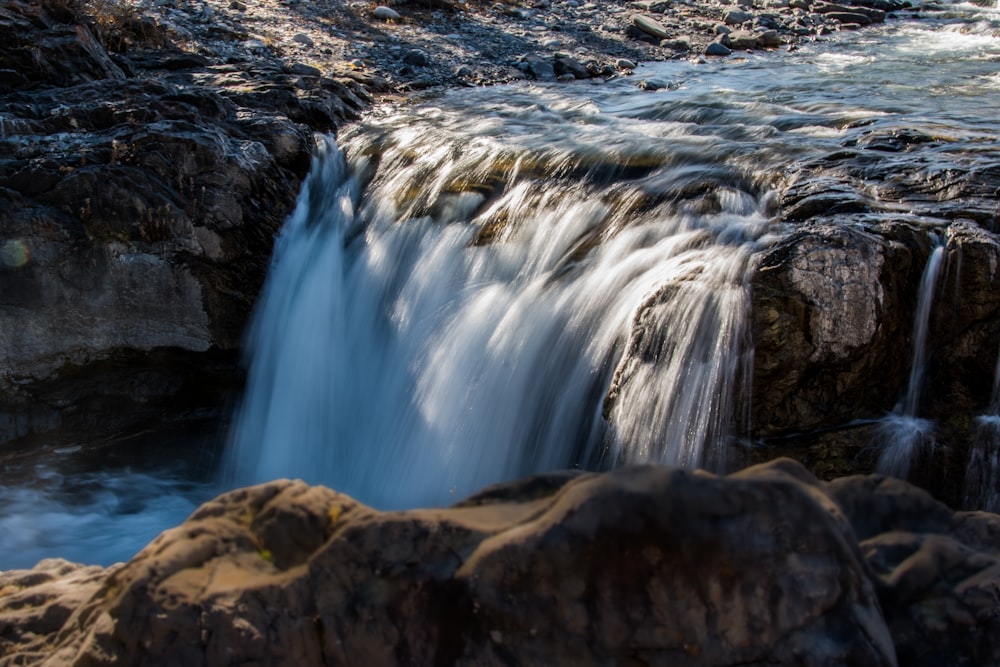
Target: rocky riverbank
point(639, 566)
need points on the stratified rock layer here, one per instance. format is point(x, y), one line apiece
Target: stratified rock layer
point(637, 566)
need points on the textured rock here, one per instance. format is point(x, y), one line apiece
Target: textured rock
point(937, 573)
point(650, 564)
point(831, 304)
point(139, 196)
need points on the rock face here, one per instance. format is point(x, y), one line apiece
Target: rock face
point(640, 565)
point(139, 195)
point(645, 565)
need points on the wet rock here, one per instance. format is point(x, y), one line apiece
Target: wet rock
point(674, 567)
point(565, 65)
point(540, 68)
point(717, 49)
point(832, 305)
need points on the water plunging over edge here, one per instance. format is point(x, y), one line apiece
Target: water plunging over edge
point(982, 474)
point(905, 435)
point(402, 360)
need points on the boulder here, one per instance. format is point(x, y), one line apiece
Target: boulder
point(652, 564)
point(937, 573)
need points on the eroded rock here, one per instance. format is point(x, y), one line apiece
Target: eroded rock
point(656, 564)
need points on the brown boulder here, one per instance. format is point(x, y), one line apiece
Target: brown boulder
point(641, 565)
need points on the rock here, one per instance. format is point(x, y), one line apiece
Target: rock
point(650, 26)
point(680, 44)
point(740, 40)
point(831, 306)
point(624, 63)
point(849, 18)
point(736, 17)
point(384, 13)
point(416, 57)
point(540, 68)
point(717, 49)
point(937, 573)
point(651, 6)
point(138, 215)
point(769, 39)
point(303, 39)
point(673, 567)
point(565, 65)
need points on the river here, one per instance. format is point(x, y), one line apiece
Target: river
point(452, 301)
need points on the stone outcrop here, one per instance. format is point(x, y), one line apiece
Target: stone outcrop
point(140, 191)
point(640, 565)
point(652, 565)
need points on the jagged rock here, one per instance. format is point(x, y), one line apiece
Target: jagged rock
point(139, 197)
point(831, 304)
point(655, 564)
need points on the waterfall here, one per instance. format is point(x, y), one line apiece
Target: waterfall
point(982, 475)
point(904, 435)
point(452, 305)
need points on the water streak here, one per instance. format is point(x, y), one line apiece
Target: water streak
point(905, 435)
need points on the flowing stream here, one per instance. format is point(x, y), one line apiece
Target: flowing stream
point(493, 282)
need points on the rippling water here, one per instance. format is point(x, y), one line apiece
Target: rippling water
point(493, 282)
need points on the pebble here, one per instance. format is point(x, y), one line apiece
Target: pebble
point(384, 13)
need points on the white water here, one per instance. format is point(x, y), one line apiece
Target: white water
point(982, 475)
point(400, 360)
point(903, 434)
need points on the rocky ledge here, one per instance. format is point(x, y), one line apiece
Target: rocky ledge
point(644, 565)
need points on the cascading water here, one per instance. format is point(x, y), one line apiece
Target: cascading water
point(903, 434)
point(982, 475)
point(450, 306)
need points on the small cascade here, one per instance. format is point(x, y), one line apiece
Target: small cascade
point(454, 304)
point(982, 475)
point(903, 434)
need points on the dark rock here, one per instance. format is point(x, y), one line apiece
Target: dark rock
point(566, 65)
point(142, 209)
point(662, 565)
point(717, 49)
point(539, 67)
point(830, 305)
point(416, 58)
